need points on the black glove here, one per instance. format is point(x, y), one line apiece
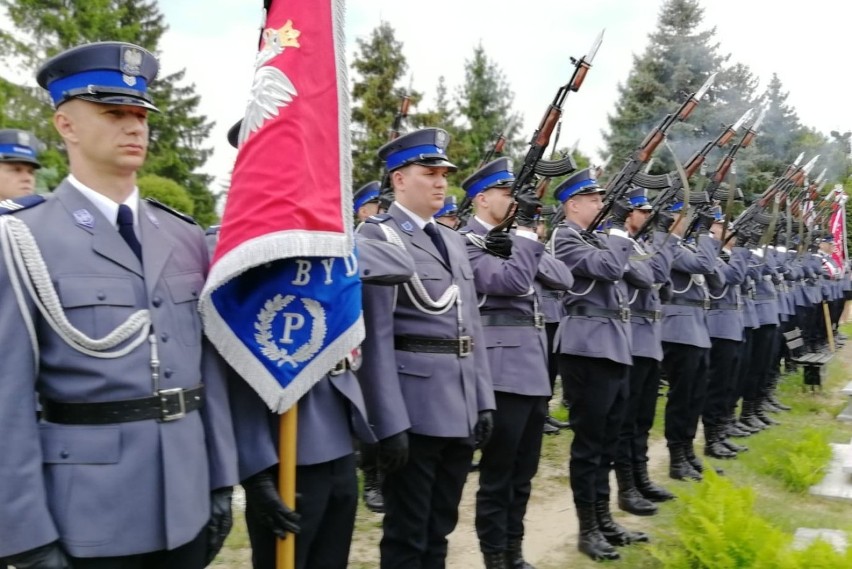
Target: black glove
point(48, 556)
point(483, 429)
point(743, 237)
point(263, 497)
point(664, 221)
point(528, 209)
point(393, 452)
point(618, 213)
point(221, 521)
point(498, 243)
point(705, 220)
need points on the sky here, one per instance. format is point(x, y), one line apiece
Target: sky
point(532, 42)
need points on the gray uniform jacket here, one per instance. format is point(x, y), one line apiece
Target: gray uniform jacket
point(434, 394)
point(117, 489)
point(813, 269)
point(723, 320)
point(690, 271)
point(333, 410)
point(517, 355)
point(647, 330)
point(599, 263)
point(765, 298)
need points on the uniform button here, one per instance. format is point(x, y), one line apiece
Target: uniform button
point(195, 293)
point(64, 454)
point(156, 301)
point(366, 272)
point(167, 373)
point(101, 295)
point(164, 337)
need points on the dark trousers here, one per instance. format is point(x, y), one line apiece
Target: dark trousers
point(807, 318)
point(509, 462)
point(722, 376)
point(327, 501)
point(763, 343)
point(553, 359)
point(597, 389)
point(644, 380)
point(190, 555)
point(742, 372)
point(686, 368)
point(421, 502)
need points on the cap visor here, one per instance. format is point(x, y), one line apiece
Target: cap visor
point(22, 159)
point(119, 100)
point(437, 163)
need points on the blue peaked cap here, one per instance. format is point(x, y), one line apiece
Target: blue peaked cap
point(115, 73)
point(581, 182)
point(638, 198)
point(427, 147)
point(495, 174)
point(450, 207)
point(19, 146)
point(365, 194)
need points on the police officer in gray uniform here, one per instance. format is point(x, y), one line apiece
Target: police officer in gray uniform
point(686, 341)
point(593, 343)
point(425, 372)
point(18, 163)
point(331, 414)
point(509, 302)
point(133, 459)
point(636, 492)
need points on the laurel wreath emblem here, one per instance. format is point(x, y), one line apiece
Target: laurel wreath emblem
point(268, 346)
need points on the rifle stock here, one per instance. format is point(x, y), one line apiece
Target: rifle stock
point(386, 191)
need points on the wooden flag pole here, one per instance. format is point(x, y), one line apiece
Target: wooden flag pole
point(829, 333)
point(285, 549)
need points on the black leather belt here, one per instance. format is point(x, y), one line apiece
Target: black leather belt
point(460, 346)
point(168, 405)
point(513, 320)
point(622, 314)
point(725, 306)
point(557, 294)
point(653, 315)
point(764, 297)
point(705, 304)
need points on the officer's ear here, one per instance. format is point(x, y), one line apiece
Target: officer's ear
point(64, 121)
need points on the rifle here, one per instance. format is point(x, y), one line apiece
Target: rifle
point(695, 162)
point(386, 191)
point(618, 185)
point(533, 163)
point(793, 176)
point(721, 172)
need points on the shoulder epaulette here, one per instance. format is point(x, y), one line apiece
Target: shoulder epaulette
point(378, 218)
point(172, 211)
point(464, 230)
point(213, 230)
point(22, 203)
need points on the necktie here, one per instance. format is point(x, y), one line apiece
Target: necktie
point(433, 233)
point(125, 229)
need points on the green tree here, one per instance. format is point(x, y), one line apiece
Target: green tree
point(43, 28)
point(484, 103)
point(677, 61)
point(166, 191)
point(379, 65)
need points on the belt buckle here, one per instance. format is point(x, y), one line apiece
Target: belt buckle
point(339, 368)
point(625, 314)
point(165, 396)
point(538, 320)
point(465, 346)
point(706, 304)
point(658, 315)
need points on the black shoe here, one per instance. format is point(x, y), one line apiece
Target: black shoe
point(614, 533)
point(646, 487)
point(496, 560)
point(760, 414)
point(732, 446)
point(629, 498)
point(515, 556)
point(553, 422)
point(372, 495)
point(713, 446)
point(590, 540)
point(550, 429)
point(774, 400)
point(731, 430)
point(679, 467)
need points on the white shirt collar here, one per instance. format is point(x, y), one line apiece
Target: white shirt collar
point(487, 226)
point(421, 223)
point(105, 205)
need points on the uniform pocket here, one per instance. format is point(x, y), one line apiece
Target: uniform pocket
point(184, 290)
point(96, 304)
